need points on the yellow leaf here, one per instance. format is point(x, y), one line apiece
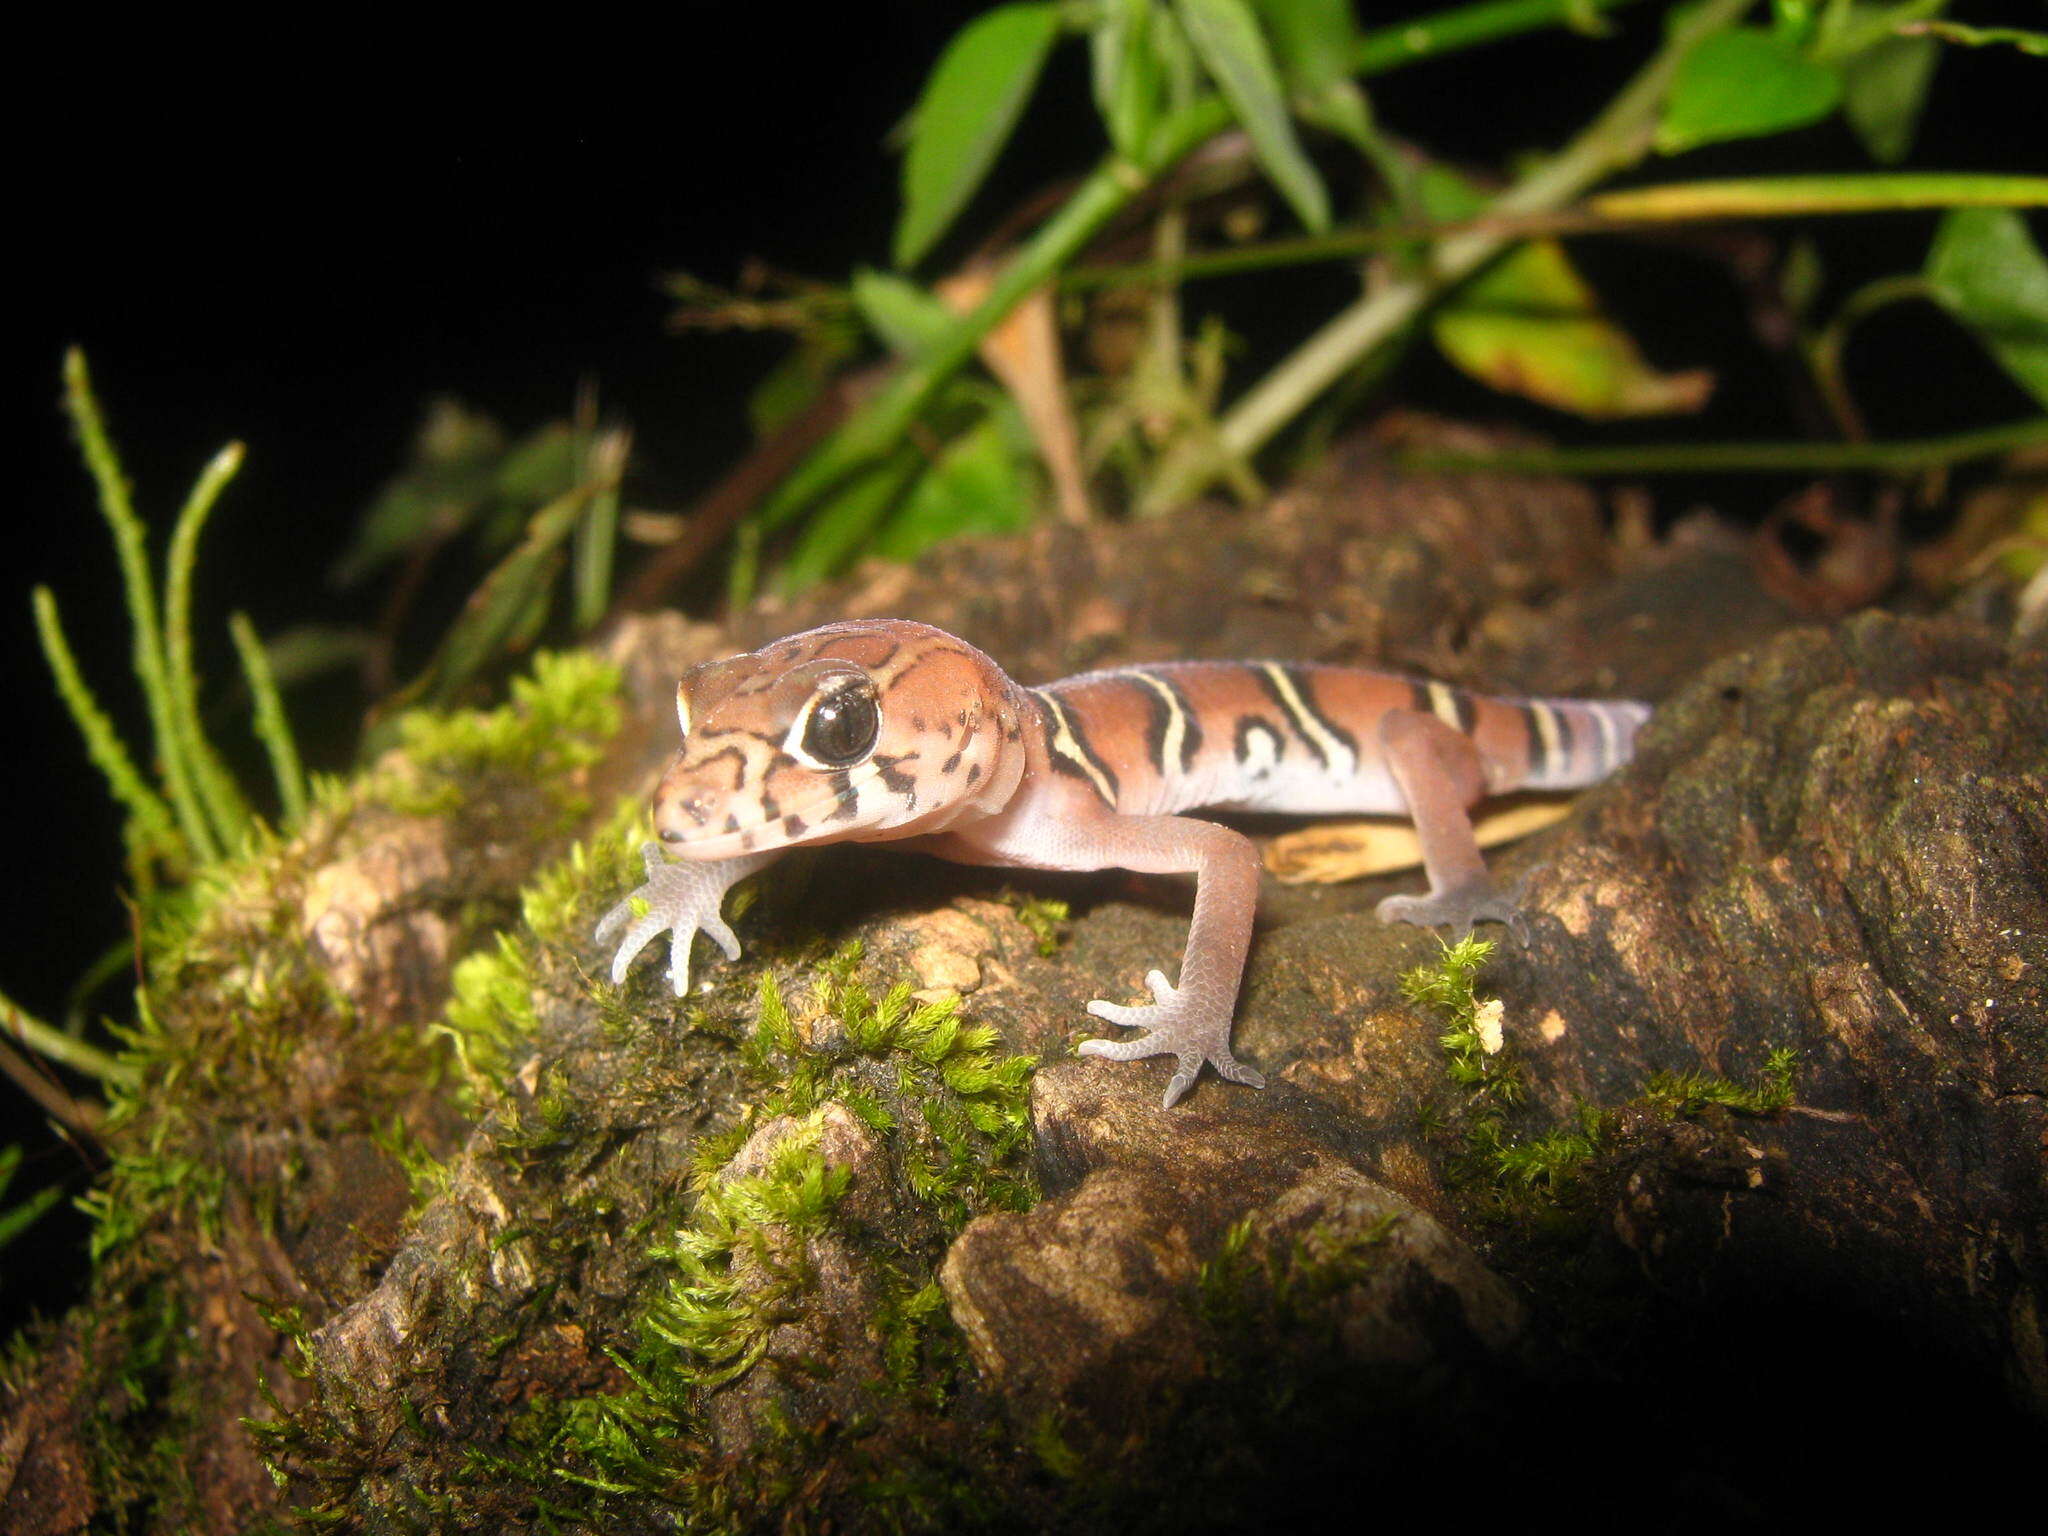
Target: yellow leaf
point(1531, 326)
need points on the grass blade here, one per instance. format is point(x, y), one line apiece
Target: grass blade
point(272, 728)
point(131, 548)
point(152, 831)
point(219, 795)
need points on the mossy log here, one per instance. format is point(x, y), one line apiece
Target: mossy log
point(807, 1252)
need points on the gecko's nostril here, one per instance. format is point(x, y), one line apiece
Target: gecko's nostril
point(671, 835)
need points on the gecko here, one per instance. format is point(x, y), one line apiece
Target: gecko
point(885, 730)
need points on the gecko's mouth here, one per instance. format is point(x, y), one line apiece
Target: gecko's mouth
point(822, 818)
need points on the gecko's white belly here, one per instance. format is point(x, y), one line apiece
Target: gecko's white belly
point(1307, 789)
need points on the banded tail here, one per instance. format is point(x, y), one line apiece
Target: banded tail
point(1576, 742)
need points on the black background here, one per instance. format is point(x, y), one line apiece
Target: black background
point(297, 239)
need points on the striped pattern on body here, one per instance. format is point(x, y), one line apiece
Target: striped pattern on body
point(1301, 738)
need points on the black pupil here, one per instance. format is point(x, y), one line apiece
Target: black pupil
point(843, 727)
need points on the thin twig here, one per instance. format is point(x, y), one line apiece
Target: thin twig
point(79, 1116)
point(1901, 456)
point(60, 1047)
point(1616, 213)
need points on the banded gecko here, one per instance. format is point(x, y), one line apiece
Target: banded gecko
point(890, 731)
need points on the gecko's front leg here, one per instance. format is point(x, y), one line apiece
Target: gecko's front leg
point(683, 898)
point(1189, 1020)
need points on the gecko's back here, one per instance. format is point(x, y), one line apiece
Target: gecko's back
point(1305, 739)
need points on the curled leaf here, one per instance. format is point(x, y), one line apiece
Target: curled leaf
point(1530, 325)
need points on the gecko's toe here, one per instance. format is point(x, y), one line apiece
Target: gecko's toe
point(1178, 1085)
point(1458, 908)
point(636, 938)
point(1113, 1050)
point(1123, 1015)
point(1235, 1071)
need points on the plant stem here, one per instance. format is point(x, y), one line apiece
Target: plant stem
point(1429, 37)
point(60, 1047)
point(1900, 456)
point(1763, 197)
point(1824, 355)
point(1607, 213)
point(1618, 137)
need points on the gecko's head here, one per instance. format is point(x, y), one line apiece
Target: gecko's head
point(829, 735)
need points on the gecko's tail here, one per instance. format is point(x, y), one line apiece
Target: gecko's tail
point(1576, 742)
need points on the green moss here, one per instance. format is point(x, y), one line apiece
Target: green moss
point(1048, 1442)
point(1257, 1291)
point(491, 1018)
point(1482, 1066)
point(1686, 1094)
point(561, 904)
point(555, 728)
point(138, 1425)
point(243, 1061)
point(710, 1322)
point(956, 1107)
point(426, 1175)
point(1046, 919)
point(950, 1111)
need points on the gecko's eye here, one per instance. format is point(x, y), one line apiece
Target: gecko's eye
point(839, 727)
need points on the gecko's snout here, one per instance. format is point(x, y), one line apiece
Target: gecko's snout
point(675, 816)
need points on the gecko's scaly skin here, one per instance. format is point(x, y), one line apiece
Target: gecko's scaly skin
point(885, 730)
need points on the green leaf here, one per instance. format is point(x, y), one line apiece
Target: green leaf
point(1883, 91)
point(973, 99)
point(1802, 277)
point(540, 466)
point(17, 1218)
point(909, 320)
point(1445, 197)
point(1226, 36)
point(1884, 88)
point(979, 484)
point(1314, 41)
point(1743, 83)
point(1126, 73)
point(792, 385)
point(504, 608)
point(1985, 270)
point(841, 528)
point(455, 457)
point(1530, 326)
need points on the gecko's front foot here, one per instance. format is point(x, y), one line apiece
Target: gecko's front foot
point(1460, 907)
point(682, 899)
point(1174, 1025)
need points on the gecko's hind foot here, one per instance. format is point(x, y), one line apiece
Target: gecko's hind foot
point(1460, 907)
point(1174, 1026)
